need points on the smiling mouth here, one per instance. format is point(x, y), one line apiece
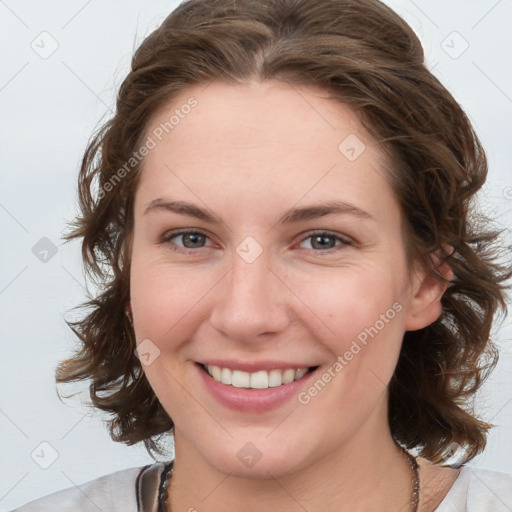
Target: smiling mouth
point(256, 380)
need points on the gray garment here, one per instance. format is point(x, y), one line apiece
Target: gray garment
point(129, 490)
point(479, 490)
point(137, 490)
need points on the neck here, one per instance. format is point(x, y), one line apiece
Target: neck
point(356, 477)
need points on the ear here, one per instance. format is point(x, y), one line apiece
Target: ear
point(427, 288)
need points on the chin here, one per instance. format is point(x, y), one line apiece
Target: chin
point(259, 459)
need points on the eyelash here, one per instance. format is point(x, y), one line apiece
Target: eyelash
point(166, 239)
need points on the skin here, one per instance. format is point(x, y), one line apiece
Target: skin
point(247, 154)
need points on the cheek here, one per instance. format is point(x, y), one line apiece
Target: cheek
point(363, 310)
point(164, 302)
point(365, 313)
point(165, 298)
point(353, 303)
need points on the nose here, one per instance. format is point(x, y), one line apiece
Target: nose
point(251, 301)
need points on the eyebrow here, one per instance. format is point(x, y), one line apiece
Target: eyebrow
point(182, 208)
point(294, 215)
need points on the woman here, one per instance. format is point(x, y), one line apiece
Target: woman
point(295, 284)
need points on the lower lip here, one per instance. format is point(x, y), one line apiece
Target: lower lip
point(253, 400)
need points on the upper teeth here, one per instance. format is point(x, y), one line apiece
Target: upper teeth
point(257, 380)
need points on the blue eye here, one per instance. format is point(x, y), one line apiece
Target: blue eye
point(320, 241)
point(324, 241)
point(189, 239)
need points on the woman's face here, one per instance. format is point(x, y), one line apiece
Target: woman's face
point(267, 238)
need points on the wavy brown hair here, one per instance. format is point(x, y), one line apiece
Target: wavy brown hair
point(362, 54)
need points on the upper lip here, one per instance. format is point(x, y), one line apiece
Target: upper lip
point(254, 366)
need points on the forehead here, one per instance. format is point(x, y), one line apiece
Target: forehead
point(270, 112)
point(264, 136)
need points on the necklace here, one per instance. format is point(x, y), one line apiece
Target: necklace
point(163, 492)
point(415, 496)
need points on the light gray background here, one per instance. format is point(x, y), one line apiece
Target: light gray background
point(49, 108)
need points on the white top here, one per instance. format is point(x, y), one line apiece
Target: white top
point(136, 490)
point(479, 490)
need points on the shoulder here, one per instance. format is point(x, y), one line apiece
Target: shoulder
point(479, 490)
point(120, 491)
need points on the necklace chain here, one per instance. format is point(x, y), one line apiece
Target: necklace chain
point(415, 495)
point(163, 495)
